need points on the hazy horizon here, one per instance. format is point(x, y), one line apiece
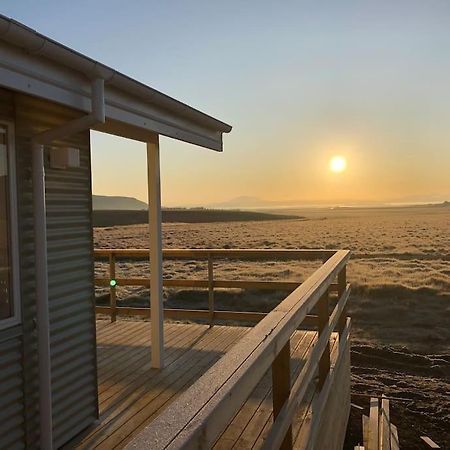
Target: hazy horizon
point(280, 202)
point(249, 203)
point(299, 84)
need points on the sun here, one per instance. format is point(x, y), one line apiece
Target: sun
point(338, 164)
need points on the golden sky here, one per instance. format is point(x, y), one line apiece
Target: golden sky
point(367, 80)
point(299, 83)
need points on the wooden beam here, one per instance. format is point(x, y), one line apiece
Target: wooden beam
point(187, 314)
point(395, 444)
point(211, 290)
point(373, 443)
point(156, 280)
point(281, 385)
point(341, 286)
point(385, 429)
point(112, 286)
point(233, 253)
point(365, 428)
point(324, 363)
point(429, 442)
point(225, 284)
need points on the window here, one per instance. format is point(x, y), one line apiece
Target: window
point(9, 304)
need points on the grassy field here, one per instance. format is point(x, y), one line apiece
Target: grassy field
point(400, 305)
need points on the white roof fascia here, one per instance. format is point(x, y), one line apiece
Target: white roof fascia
point(33, 64)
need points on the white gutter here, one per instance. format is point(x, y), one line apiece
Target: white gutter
point(40, 245)
point(37, 44)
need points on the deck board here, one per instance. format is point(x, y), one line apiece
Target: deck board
point(132, 394)
point(169, 386)
point(125, 363)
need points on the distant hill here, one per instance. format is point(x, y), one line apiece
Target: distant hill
point(106, 202)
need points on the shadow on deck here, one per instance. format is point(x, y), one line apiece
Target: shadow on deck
point(132, 394)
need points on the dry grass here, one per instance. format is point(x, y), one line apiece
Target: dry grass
point(400, 263)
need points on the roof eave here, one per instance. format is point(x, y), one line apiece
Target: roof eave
point(38, 45)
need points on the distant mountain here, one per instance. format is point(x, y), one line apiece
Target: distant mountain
point(106, 202)
point(249, 202)
point(245, 202)
point(444, 204)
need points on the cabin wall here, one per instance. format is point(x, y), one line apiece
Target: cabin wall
point(70, 270)
point(12, 427)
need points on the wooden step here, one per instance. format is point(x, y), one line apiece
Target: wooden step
point(378, 431)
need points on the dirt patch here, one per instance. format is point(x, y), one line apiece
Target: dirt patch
point(421, 381)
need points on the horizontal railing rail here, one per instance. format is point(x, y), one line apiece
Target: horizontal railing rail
point(224, 253)
point(199, 416)
point(211, 283)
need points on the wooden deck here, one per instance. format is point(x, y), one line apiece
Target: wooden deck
point(132, 394)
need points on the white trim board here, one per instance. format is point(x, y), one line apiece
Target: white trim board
point(13, 229)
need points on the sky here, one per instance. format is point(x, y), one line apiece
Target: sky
point(299, 81)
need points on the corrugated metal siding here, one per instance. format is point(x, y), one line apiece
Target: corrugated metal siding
point(72, 317)
point(12, 426)
point(12, 409)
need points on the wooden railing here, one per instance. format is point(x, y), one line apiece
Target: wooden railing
point(199, 416)
point(211, 283)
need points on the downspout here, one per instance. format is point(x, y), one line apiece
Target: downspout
point(40, 243)
point(42, 314)
point(96, 116)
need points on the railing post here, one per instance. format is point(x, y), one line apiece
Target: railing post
point(342, 285)
point(324, 317)
point(211, 289)
point(281, 386)
point(112, 286)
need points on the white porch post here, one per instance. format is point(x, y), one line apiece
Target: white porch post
point(154, 220)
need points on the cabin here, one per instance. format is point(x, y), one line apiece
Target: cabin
point(71, 379)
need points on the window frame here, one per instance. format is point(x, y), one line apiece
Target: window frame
point(16, 318)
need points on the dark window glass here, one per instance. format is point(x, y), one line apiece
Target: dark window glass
point(6, 300)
